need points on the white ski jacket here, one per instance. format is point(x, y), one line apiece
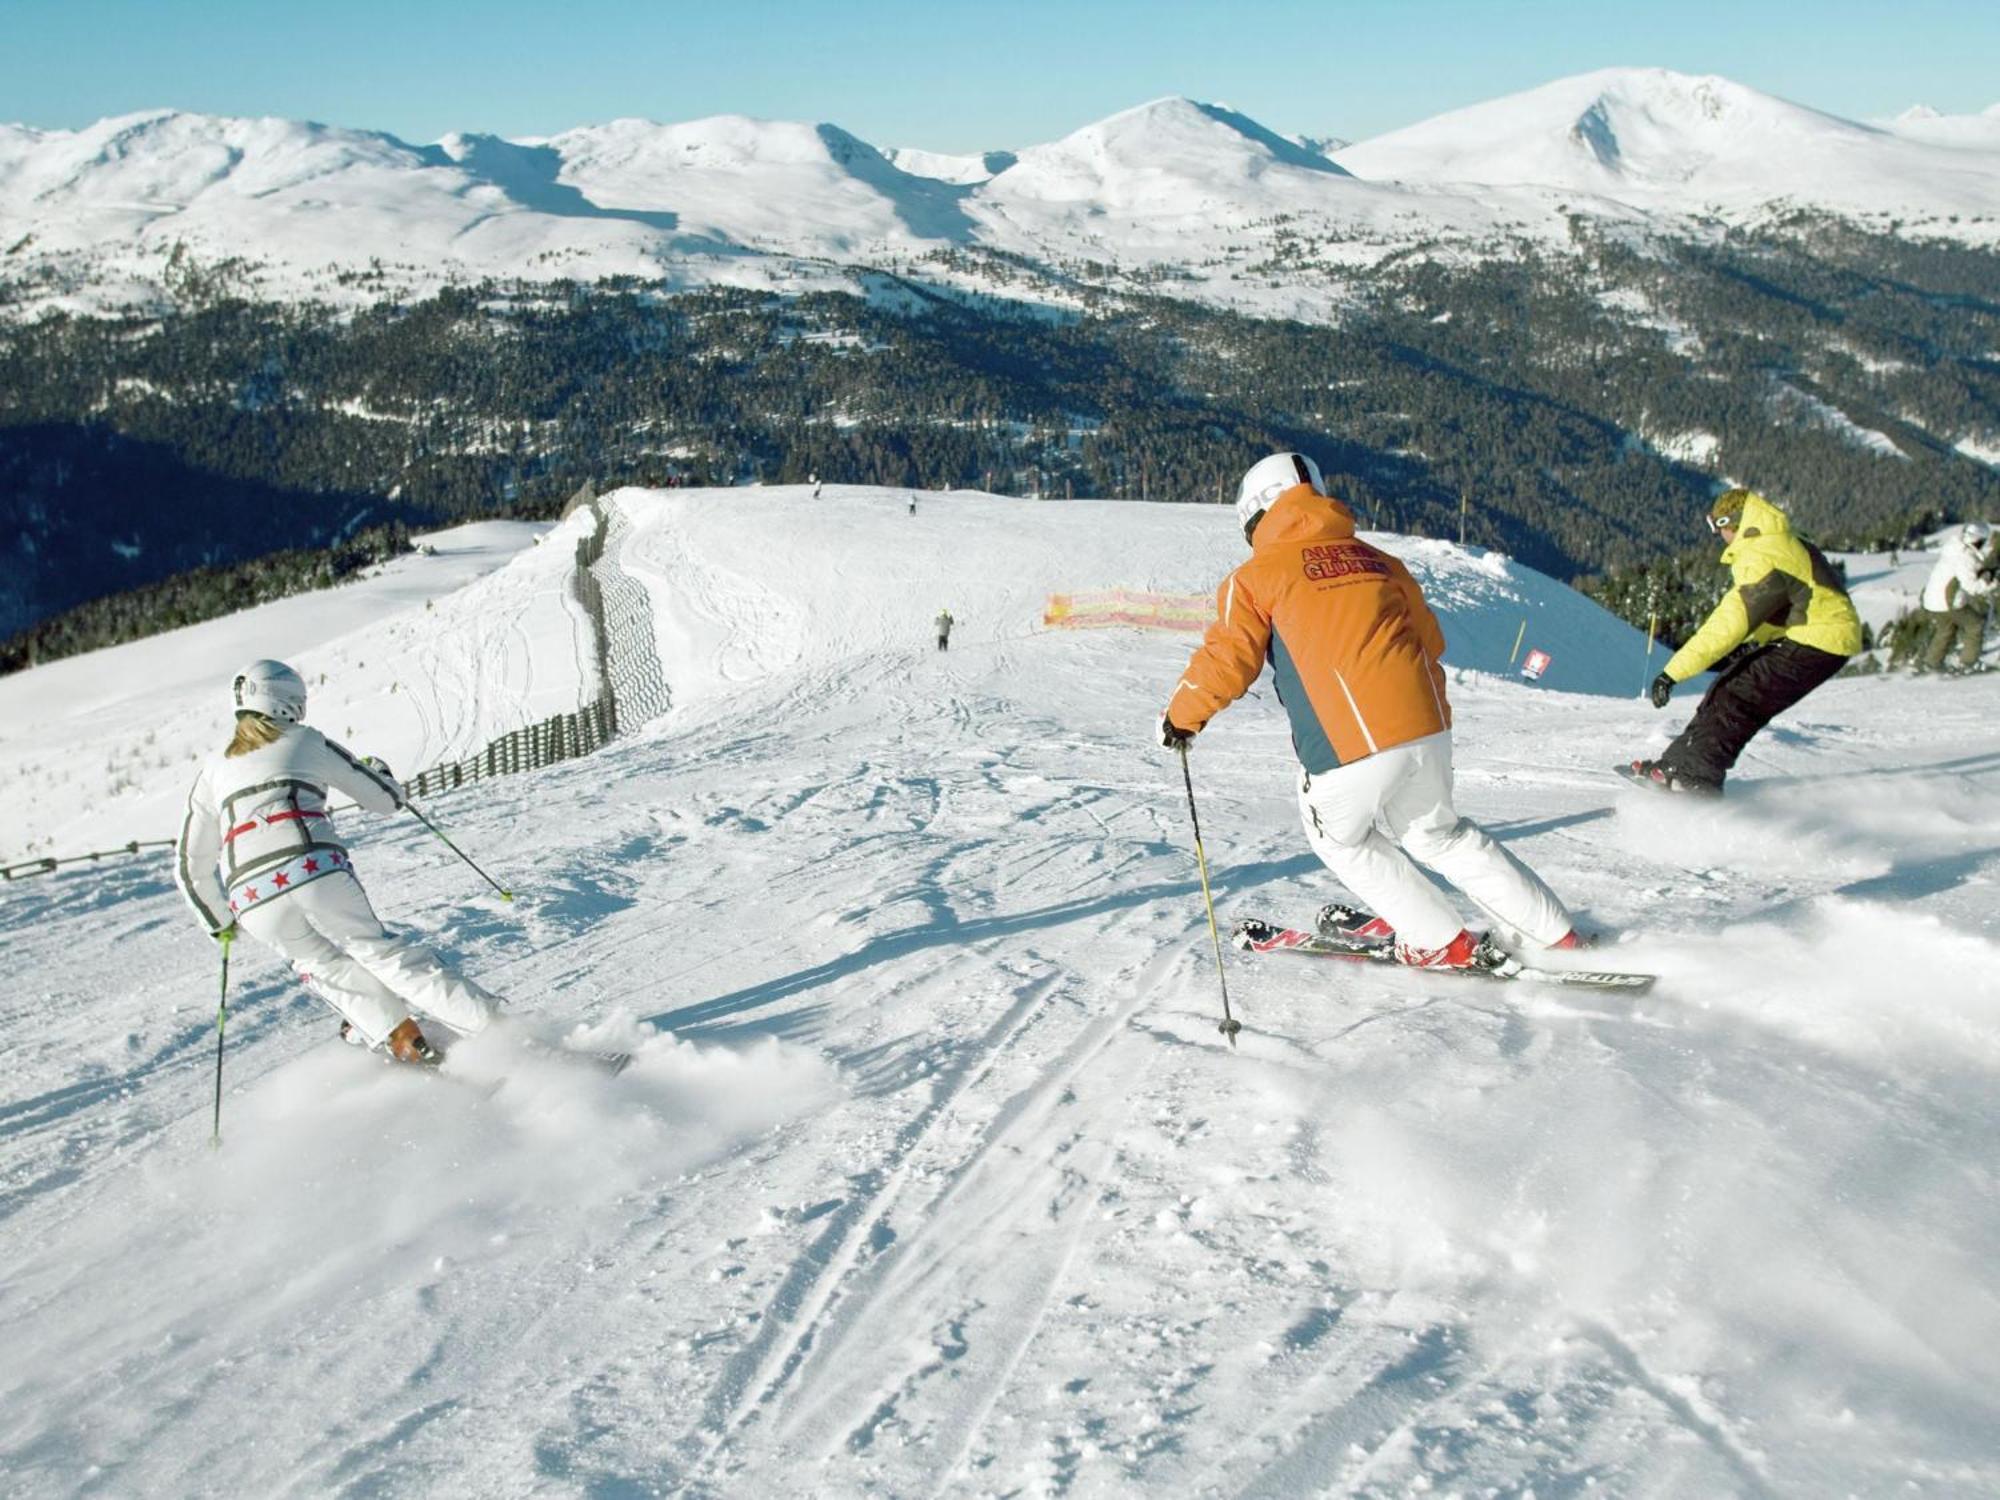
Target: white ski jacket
point(257, 825)
point(1955, 579)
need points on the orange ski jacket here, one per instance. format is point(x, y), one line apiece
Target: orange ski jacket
point(1354, 650)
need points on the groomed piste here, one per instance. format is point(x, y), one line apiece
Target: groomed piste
point(932, 1174)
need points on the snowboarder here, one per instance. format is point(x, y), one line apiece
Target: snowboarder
point(1792, 609)
point(258, 850)
point(944, 624)
point(1955, 600)
point(1355, 653)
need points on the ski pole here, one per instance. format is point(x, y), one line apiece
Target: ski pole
point(505, 894)
point(1229, 1025)
point(221, 1017)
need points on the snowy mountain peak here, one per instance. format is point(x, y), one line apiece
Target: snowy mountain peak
point(1920, 122)
point(1176, 130)
point(1603, 131)
point(1168, 154)
point(1663, 142)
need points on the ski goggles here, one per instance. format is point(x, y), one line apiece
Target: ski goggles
point(1720, 524)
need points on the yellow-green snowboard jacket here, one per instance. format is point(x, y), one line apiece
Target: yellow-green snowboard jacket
point(1785, 591)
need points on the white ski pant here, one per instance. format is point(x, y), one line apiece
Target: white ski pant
point(1358, 815)
point(370, 975)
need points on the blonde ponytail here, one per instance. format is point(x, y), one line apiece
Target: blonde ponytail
point(253, 732)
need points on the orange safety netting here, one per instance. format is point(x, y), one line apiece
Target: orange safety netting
point(1129, 607)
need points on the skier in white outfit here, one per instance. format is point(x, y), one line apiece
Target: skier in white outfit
point(1955, 599)
point(259, 851)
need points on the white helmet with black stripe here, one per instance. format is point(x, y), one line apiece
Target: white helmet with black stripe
point(272, 689)
point(1269, 478)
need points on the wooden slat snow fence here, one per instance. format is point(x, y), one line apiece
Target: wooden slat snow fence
point(48, 863)
point(631, 688)
point(567, 736)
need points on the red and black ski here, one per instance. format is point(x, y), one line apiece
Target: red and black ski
point(1253, 935)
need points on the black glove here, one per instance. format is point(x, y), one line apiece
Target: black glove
point(1661, 690)
point(1173, 736)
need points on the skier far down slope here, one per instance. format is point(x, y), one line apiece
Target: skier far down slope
point(1955, 598)
point(258, 849)
point(1791, 605)
point(1355, 653)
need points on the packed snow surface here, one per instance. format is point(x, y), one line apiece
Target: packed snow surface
point(933, 1175)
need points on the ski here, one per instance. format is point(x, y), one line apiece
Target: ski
point(1253, 935)
point(611, 1064)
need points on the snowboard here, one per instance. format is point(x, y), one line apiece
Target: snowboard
point(1625, 770)
point(1254, 935)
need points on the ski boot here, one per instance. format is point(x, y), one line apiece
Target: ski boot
point(407, 1044)
point(1466, 951)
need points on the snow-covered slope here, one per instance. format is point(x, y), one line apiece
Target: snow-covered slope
point(933, 1176)
point(430, 657)
point(769, 184)
point(92, 216)
point(429, 668)
point(1669, 142)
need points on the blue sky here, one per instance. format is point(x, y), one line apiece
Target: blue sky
point(951, 77)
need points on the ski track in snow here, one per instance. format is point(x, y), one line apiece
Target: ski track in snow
point(933, 1175)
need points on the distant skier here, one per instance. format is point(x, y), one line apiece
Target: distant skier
point(944, 624)
point(913, 505)
point(817, 486)
point(258, 850)
point(1355, 655)
point(1792, 608)
point(1955, 600)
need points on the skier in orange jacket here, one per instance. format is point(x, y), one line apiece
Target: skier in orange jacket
point(1356, 655)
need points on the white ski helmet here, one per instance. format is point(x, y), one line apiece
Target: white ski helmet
point(1975, 533)
point(272, 689)
point(1269, 478)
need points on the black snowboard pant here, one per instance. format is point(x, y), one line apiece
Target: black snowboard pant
point(1747, 696)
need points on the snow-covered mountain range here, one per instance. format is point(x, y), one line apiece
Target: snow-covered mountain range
point(1198, 190)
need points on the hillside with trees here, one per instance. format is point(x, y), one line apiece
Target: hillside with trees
point(1574, 412)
